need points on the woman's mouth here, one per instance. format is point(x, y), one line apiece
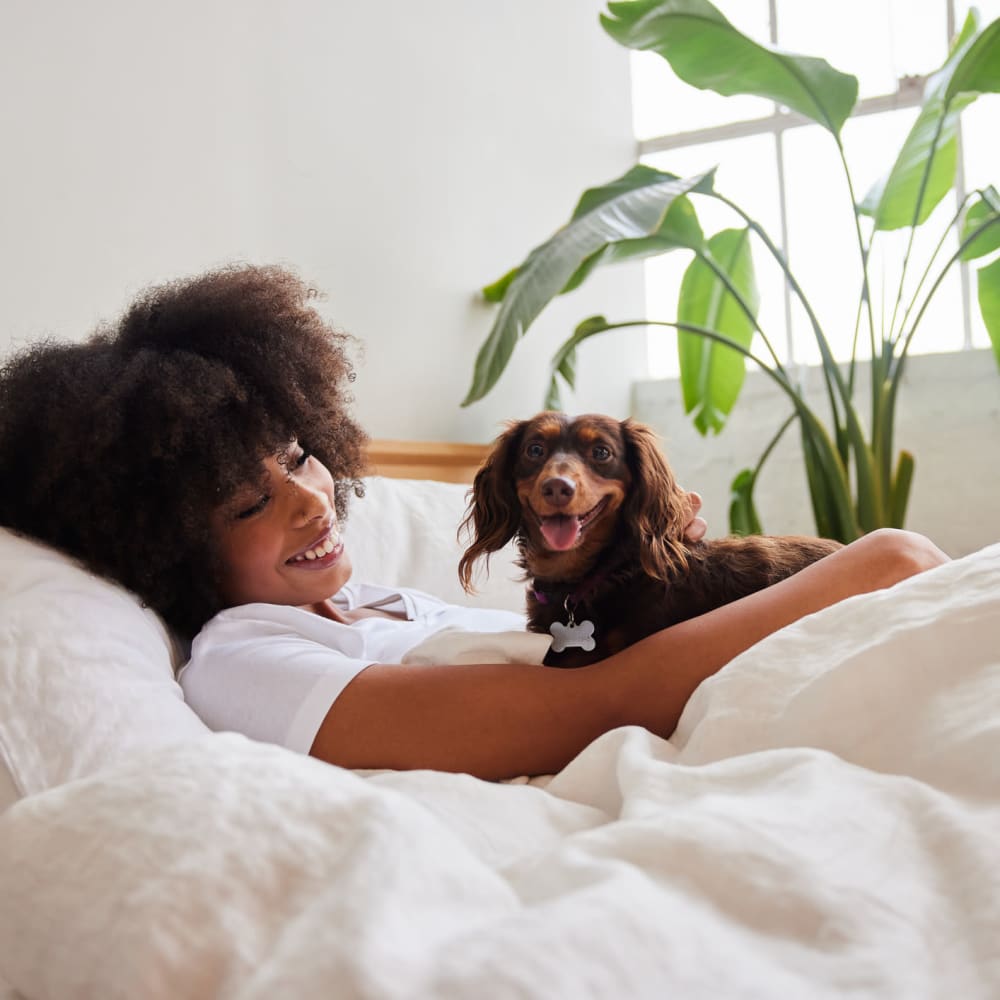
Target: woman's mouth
point(321, 554)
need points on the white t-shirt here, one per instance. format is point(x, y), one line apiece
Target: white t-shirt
point(272, 671)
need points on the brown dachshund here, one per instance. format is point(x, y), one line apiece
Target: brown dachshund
point(599, 522)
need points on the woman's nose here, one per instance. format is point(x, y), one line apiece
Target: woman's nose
point(309, 503)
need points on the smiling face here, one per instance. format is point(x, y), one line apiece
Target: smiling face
point(279, 540)
point(572, 478)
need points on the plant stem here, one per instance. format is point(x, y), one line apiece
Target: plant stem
point(877, 364)
point(979, 230)
point(865, 285)
point(835, 472)
point(767, 451)
point(797, 288)
point(897, 371)
point(870, 501)
point(916, 215)
point(854, 347)
point(927, 270)
point(742, 303)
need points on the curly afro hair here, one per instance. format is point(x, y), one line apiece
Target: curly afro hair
point(117, 450)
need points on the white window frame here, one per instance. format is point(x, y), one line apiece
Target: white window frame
point(908, 94)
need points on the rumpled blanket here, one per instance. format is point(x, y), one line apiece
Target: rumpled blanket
point(825, 822)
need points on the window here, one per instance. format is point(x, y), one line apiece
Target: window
point(788, 178)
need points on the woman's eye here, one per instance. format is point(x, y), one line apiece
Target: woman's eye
point(601, 453)
point(302, 458)
point(254, 508)
point(534, 450)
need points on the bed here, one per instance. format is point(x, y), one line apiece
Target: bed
point(825, 821)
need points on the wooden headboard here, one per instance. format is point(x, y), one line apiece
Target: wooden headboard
point(448, 462)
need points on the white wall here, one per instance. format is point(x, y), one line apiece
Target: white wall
point(399, 155)
point(948, 416)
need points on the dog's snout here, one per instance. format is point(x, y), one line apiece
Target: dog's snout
point(558, 490)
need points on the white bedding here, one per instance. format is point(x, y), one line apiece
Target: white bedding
point(824, 823)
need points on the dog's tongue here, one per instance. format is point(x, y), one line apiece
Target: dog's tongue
point(560, 531)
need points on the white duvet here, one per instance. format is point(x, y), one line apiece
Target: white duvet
point(824, 823)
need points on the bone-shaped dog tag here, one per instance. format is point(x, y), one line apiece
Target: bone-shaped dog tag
point(575, 635)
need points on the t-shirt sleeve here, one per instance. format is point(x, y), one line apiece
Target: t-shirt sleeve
point(272, 685)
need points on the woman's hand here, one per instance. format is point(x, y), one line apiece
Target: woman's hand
point(694, 530)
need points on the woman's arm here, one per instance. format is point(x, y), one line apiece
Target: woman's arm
point(502, 720)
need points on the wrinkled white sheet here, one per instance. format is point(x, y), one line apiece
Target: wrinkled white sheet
point(824, 823)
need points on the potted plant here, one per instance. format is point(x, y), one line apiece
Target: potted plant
point(856, 481)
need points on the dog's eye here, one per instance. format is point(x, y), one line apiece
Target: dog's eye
point(601, 453)
point(534, 450)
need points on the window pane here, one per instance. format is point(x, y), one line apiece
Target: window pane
point(982, 168)
point(979, 153)
point(878, 41)
point(823, 245)
point(899, 38)
point(980, 125)
point(662, 104)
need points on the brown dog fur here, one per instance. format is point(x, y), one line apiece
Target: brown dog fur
point(629, 568)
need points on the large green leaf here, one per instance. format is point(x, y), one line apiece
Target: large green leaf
point(680, 230)
point(979, 72)
point(641, 175)
point(634, 213)
point(924, 171)
point(712, 373)
point(498, 289)
point(707, 52)
point(743, 517)
point(900, 493)
point(989, 302)
point(985, 210)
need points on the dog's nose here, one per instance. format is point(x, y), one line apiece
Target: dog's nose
point(558, 490)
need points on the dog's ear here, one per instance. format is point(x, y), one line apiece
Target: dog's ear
point(493, 514)
point(656, 510)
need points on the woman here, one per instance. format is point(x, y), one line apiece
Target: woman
point(201, 453)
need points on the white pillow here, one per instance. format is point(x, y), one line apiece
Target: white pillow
point(404, 532)
point(86, 675)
